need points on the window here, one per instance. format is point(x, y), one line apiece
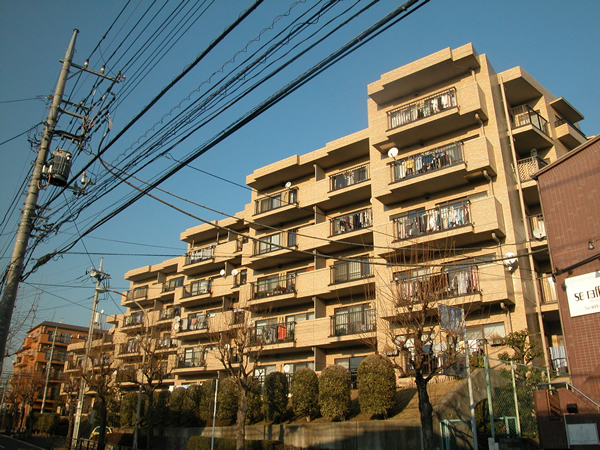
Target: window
point(351, 270)
point(243, 277)
point(492, 332)
point(300, 317)
point(268, 244)
point(200, 287)
point(292, 237)
point(170, 285)
point(351, 364)
point(353, 319)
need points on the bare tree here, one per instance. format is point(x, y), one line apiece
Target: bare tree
point(412, 336)
point(238, 348)
point(25, 387)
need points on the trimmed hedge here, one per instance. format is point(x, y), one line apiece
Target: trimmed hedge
point(203, 443)
point(276, 396)
point(229, 399)
point(305, 393)
point(334, 392)
point(376, 385)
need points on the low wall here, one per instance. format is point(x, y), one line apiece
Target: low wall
point(371, 435)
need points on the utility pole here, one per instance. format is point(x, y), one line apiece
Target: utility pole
point(99, 276)
point(48, 369)
point(15, 268)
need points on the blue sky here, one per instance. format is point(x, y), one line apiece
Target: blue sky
point(555, 41)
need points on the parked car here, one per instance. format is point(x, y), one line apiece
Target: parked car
point(96, 431)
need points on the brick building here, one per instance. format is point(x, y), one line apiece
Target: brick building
point(446, 162)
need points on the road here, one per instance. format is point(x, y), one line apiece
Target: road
point(9, 443)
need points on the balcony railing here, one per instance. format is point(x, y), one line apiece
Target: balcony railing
point(353, 322)
point(63, 339)
point(342, 272)
point(191, 358)
point(166, 343)
point(352, 222)
point(277, 285)
point(276, 333)
point(420, 222)
point(169, 313)
point(194, 322)
point(524, 115)
point(454, 282)
point(137, 293)
point(548, 290)
point(200, 287)
point(422, 109)
point(274, 242)
point(529, 166)
point(349, 177)
point(134, 319)
point(132, 346)
point(202, 254)
point(426, 162)
point(275, 201)
point(560, 122)
point(537, 226)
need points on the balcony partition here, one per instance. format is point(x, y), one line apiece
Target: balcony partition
point(349, 177)
point(421, 221)
point(423, 108)
point(427, 162)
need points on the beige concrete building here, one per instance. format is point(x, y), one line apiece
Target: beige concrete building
point(444, 163)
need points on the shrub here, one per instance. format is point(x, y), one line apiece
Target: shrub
point(160, 409)
point(46, 423)
point(376, 385)
point(334, 392)
point(128, 409)
point(254, 398)
point(305, 393)
point(275, 396)
point(228, 398)
point(176, 407)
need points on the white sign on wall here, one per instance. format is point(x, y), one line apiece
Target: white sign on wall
point(583, 294)
point(582, 434)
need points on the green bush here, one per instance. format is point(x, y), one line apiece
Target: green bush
point(176, 407)
point(254, 398)
point(334, 392)
point(376, 385)
point(203, 443)
point(160, 409)
point(128, 409)
point(305, 393)
point(275, 396)
point(228, 399)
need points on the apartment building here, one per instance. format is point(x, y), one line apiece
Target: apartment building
point(445, 164)
point(38, 367)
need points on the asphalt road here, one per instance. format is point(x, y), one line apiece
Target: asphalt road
point(9, 443)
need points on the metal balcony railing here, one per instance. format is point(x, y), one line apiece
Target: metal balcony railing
point(422, 109)
point(421, 221)
point(529, 166)
point(169, 313)
point(560, 122)
point(132, 346)
point(276, 333)
point(524, 115)
point(202, 254)
point(191, 357)
point(137, 293)
point(275, 285)
point(194, 322)
point(275, 201)
point(200, 287)
point(453, 282)
point(134, 319)
point(353, 322)
point(349, 177)
point(351, 222)
point(427, 162)
point(342, 272)
point(166, 343)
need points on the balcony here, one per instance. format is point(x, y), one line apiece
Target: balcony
point(274, 249)
point(278, 333)
point(168, 314)
point(440, 169)
point(353, 322)
point(349, 223)
point(548, 290)
point(463, 222)
point(530, 166)
point(343, 272)
point(196, 293)
point(434, 116)
point(569, 134)
point(281, 207)
point(537, 227)
point(191, 357)
point(530, 129)
point(136, 295)
point(134, 320)
point(165, 344)
point(212, 257)
point(129, 348)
